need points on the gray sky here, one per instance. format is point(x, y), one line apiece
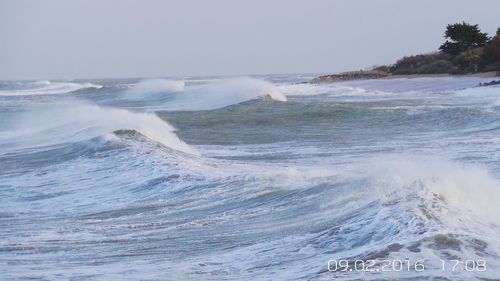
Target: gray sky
point(122, 38)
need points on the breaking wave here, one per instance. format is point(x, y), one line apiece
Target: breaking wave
point(74, 122)
point(465, 187)
point(212, 94)
point(151, 87)
point(222, 93)
point(45, 87)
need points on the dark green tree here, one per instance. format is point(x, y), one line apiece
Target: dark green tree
point(462, 37)
point(491, 54)
point(498, 31)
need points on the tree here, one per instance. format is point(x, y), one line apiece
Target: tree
point(498, 31)
point(491, 54)
point(462, 37)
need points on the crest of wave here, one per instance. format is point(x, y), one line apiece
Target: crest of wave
point(152, 87)
point(41, 83)
point(72, 122)
point(222, 93)
point(46, 87)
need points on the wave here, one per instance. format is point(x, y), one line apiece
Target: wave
point(409, 206)
point(212, 94)
point(28, 160)
point(41, 83)
point(417, 85)
point(332, 90)
point(471, 189)
point(60, 123)
point(223, 93)
point(488, 95)
point(45, 87)
point(381, 87)
point(151, 87)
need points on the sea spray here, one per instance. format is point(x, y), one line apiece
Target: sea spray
point(150, 88)
point(222, 93)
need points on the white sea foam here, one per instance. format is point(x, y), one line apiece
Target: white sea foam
point(469, 188)
point(46, 87)
point(72, 122)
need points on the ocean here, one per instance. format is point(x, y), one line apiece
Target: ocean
point(262, 178)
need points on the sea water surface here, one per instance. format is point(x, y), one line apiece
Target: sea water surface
point(263, 178)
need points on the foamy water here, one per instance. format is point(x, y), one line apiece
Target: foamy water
point(248, 178)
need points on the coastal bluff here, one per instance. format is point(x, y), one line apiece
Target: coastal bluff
point(351, 75)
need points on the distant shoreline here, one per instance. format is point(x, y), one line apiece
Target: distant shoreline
point(365, 75)
point(489, 74)
point(467, 52)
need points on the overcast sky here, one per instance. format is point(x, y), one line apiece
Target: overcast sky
point(121, 38)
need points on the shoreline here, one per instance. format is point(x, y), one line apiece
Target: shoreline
point(361, 76)
point(490, 74)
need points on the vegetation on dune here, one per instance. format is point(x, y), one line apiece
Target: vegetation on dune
point(466, 50)
point(491, 54)
point(429, 63)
